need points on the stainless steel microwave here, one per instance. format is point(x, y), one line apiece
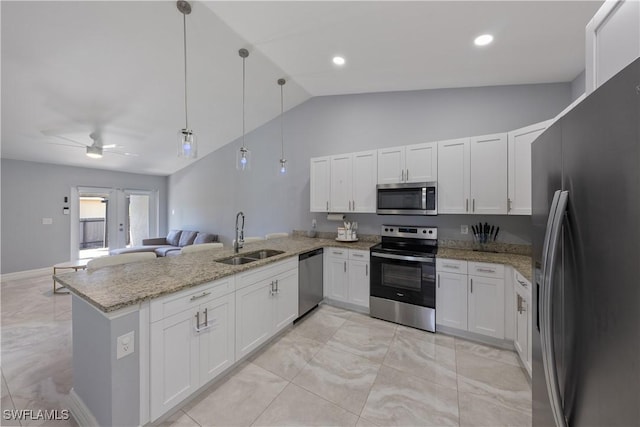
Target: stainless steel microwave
point(417, 198)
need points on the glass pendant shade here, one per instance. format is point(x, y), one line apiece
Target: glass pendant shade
point(187, 144)
point(243, 159)
point(283, 166)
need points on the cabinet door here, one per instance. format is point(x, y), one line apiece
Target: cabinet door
point(365, 178)
point(320, 184)
point(174, 370)
point(217, 337)
point(453, 176)
point(451, 300)
point(421, 162)
point(254, 320)
point(522, 324)
point(359, 283)
point(341, 183)
point(391, 165)
point(489, 174)
point(286, 299)
point(486, 306)
point(519, 167)
point(337, 281)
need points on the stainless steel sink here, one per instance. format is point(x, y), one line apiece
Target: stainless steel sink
point(237, 260)
point(265, 253)
point(250, 257)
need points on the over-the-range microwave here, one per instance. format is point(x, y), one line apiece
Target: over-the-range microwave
point(413, 198)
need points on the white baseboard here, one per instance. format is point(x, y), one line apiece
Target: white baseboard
point(80, 411)
point(27, 274)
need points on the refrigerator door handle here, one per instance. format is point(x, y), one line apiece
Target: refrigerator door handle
point(552, 240)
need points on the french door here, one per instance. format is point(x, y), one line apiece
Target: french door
point(110, 218)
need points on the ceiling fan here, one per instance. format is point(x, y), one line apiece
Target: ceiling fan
point(93, 146)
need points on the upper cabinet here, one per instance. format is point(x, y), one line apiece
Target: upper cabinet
point(472, 177)
point(410, 163)
point(613, 41)
point(353, 182)
point(519, 174)
point(320, 184)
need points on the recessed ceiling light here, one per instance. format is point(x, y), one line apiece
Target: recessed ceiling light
point(483, 40)
point(338, 60)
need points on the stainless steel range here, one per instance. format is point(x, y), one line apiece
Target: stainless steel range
point(403, 276)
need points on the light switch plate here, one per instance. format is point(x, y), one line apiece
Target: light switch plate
point(125, 345)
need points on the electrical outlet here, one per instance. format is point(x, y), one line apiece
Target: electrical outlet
point(464, 229)
point(125, 345)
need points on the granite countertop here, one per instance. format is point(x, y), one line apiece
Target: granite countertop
point(115, 287)
point(522, 263)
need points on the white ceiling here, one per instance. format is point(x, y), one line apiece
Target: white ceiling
point(69, 68)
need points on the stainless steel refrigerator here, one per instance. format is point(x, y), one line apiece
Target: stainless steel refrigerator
point(586, 259)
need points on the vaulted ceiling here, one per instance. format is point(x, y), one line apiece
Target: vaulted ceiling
point(73, 68)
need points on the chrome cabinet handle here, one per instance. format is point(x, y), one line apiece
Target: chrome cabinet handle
point(206, 324)
point(345, 266)
point(508, 204)
point(358, 255)
point(366, 268)
point(337, 252)
point(473, 205)
point(471, 285)
point(524, 284)
point(202, 295)
point(354, 205)
point(552, 240)
point(273, 289)
point(197, 321)
point(327, 205)
point(277, 287)
point(457, 267)
point(466, 205)
point(407, 174)
point(402, 175)
point(485, 270)
point(438, 280)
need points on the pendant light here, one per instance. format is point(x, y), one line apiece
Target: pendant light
point(283, 161)
point(187, 141)
point(243, 156)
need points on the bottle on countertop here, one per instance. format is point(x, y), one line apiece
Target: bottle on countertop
point(312, 232)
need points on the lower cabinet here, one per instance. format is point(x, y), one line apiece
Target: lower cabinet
point(192, 346)
point(523, 323)
point(470, 296)
point(266, 302)
point(347, 276)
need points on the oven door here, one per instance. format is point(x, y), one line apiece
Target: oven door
point(404, 278)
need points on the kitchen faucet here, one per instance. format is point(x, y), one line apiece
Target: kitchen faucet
point(239, 242)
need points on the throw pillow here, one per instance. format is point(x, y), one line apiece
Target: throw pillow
point(173, 238)
point(187, 238)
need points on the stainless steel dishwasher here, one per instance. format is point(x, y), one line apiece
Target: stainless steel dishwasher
point(310, 288)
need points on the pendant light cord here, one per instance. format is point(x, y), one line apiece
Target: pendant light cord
point(184, 27)
point(281, 121)
point(243, 80)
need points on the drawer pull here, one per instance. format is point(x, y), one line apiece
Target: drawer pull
point(202, 295)
point(337, 252)
point(485, 270)
point(358, 255)
point(457, 267)
point(524, 284)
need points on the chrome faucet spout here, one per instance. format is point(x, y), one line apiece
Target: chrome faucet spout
point(239, 241)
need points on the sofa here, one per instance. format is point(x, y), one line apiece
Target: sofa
point(169, 245)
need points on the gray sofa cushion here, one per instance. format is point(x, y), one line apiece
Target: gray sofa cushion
point(173, 238)
point(133, 249)
point(187, 238)
point(205, 238)
point(165, 250)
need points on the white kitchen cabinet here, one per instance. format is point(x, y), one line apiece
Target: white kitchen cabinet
point(320, 184)
point(472, 175)
point(488, 174)
point(453, 176)
point(266, 302)
point(523, 319)
point(519, 167)
point(347, 276)
point(470, 296)
point(613, 41)
point(192, 341)
point(353, 182)
point(410, 163)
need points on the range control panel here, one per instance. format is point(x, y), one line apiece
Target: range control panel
point(423, 233)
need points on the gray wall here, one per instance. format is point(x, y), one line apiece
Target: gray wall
point(32, 191)
point(578, 86)
point(207, 194)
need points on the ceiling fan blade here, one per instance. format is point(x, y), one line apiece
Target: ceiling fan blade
point(122, 153)
point(75, 145)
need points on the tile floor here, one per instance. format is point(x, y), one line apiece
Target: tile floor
point(333, 368)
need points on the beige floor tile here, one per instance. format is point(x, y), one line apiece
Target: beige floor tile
point(495, 354)
point(500, 381)
point(319, 326)
point(418, 354)
point(239, 400)
point(335, 311)
point(418, 334)
point(485, 411)
point(363, 422)
point(298, 407)
point(179, 419)
point(363, 339)
point(340, 377)
point(400, 399)
point(288, 355)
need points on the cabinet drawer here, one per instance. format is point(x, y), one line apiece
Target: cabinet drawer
point(451, 266)
point(259, 274)
point(521, 283)
point(358, 255)
point(485, 269)
point(162, 308)
point(338, 253)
